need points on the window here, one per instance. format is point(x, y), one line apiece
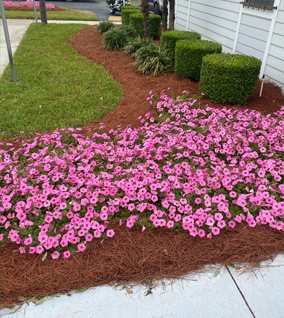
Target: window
point(259, 4)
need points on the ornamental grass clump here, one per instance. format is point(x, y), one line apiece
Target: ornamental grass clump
point(135, 44)
point(151, 59)
point(229, 77)
point(117, 38)
point(104, 26)
point(200, 171)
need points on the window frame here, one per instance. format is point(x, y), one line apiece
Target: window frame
point(255, 4)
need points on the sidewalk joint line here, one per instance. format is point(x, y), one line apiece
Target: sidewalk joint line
point(240, 291)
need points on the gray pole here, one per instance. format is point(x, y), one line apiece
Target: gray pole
point(42, 11)
point(4, 21)
point(35, 11)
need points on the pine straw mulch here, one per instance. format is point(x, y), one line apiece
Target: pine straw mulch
point(132, 255)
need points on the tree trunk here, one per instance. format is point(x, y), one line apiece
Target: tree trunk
point(145, 11)
point(165, 16)
point(172, 15)
point(42, 8)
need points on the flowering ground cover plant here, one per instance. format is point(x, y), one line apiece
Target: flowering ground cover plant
point(28, 4)
point(195, 169)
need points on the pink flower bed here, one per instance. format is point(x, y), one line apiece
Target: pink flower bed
point(28, 4)
point(195, 169)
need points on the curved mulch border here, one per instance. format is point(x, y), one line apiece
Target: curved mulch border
point(132, 255)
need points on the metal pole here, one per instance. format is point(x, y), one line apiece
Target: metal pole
point(35, 11)
point(4, 21)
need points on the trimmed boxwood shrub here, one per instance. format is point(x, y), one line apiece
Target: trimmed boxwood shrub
point(189, 54)
point(126, 11)
point(116, 39)
point(136, 21)
point(228, 77)
point(169, 39)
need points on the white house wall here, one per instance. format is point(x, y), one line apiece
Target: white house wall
point(215, 20)
point(238, 30)
point(274, 68)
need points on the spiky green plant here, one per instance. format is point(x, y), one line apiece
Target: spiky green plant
point(104, 26)
point(135, 44)
point(151, 59)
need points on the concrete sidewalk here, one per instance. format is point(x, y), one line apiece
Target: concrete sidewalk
point(224, 295)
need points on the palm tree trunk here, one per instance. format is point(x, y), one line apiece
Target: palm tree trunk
point(145, 11)
point(165, 16)
point(172, 15)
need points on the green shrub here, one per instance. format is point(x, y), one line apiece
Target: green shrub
point(104, 26)
point(116, 39)
point(229, 78)
point(126, 11)
point(135, 44)
point(136, 21)
point(169, 39)
point(151, 59)
point(188, 56)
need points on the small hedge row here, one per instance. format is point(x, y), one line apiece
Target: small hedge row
point(228, 77)
point(189, 54)
point(169, 39)
point(126, 11)
point(136, 21)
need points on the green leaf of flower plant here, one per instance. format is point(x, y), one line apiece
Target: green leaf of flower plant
point(41, 301)
point(217, 272)
point(15, 309)
point(80, 290)
point(44, 257)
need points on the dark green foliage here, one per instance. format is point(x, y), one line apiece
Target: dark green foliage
point(169, 39)
point(135, 44)
point(104, 26)
point(136, 21)
point(116, 39)
point(229, 78)
point(189, 54)
point(151, 59)
point(126, 11)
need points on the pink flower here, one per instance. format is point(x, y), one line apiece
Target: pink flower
point(81, 247)
point(66, 254)
point(232, 224)
point(32, 250)
point(215, 230)
point(22, 250)
point(89, 237)
point(55, 255)
point(197, 201)
point(110, 233)
point(28, 241)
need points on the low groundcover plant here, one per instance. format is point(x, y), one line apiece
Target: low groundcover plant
point(196, 169)
point(28, 4)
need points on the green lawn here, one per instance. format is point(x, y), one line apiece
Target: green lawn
point(56, 87)
point(69, 14)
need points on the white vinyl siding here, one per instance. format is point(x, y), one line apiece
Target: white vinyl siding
point(239, 30)
point(253, 35)
point(274, 68)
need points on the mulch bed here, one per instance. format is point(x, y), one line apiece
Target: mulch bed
point(132, 255)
